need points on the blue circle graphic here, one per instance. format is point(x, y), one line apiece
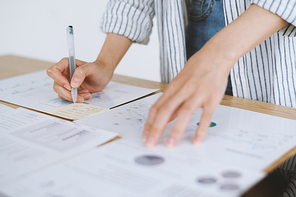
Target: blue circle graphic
point(211, 125)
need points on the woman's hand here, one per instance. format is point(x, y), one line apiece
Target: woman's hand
point(201, 84)
point(88, 77)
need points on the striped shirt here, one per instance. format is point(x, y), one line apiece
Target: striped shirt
point(267, 73)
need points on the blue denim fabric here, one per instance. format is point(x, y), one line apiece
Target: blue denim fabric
point(205, 19)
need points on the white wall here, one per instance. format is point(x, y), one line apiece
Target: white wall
point(37, 29)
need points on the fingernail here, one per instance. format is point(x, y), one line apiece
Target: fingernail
point(150, 142)
point(75, 82)
point(83, 91)
point(145, 134)
point(198, 140)
point(67, 87)
point(79, 99)
point(86, 97)
point(171, 142)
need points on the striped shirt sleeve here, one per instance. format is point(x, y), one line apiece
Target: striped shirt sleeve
point(130, 18)
point(286, 9)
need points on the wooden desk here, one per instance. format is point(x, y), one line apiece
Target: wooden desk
point(13, 65)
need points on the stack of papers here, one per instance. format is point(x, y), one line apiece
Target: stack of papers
point(31, 140)
point(44, 156)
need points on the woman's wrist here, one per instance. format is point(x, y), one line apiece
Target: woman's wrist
point(106, 63)
point(222, 57)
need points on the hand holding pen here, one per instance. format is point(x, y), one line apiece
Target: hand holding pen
point(88, 77)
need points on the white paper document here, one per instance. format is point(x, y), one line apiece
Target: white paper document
point(4, 108)
point(126, 168)
point(35, 91)
point(240, 137)
point(30, 140)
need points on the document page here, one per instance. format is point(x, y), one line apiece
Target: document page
point(236, 136)
point(30, 140)
point(127, 120)
point(4, 108)
point(126, 168)
point(35, 91)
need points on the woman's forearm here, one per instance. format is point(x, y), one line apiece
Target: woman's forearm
point(250, 29)
point(113, 50)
